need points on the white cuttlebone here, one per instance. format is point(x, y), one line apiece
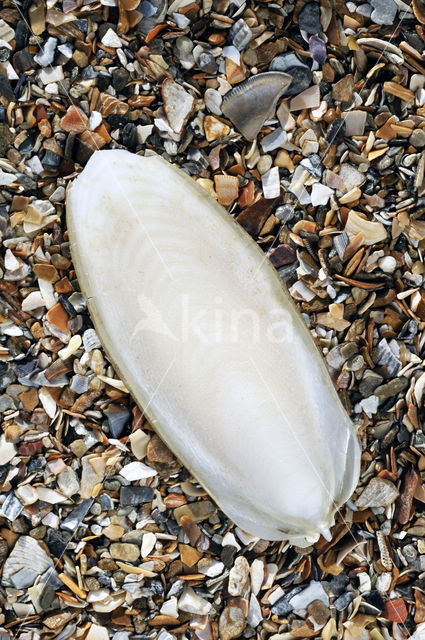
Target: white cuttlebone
point(199, 326)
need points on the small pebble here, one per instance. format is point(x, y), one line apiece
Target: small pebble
point(111, 39)
point(384, 11)
point(233, 619)
point(238, 576)
point(387, 264)
point(417, 139)
point(309, 18)
point(191, 602)
point(124, 551)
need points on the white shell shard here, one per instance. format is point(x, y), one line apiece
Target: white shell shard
point(199, 327)
point(27, 560)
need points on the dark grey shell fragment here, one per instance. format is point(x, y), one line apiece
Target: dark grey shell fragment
point(387, 358)
point(251, 103)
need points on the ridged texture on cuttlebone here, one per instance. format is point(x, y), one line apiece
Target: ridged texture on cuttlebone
point(186, 305)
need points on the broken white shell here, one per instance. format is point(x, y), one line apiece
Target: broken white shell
point(27, 560)
point(197, 323)
point(178, 104)
point(373, 232)
point(389, 50)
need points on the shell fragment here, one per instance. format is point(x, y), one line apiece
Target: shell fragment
point(251, 103)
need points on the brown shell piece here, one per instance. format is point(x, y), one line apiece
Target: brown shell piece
point(420, 606)
point(404, 502)
point(128, 16)
point(74, 120)
point(418, 7)
point(133, 18)
point(58, 317)
point(395, 610)
point(129, 5)
point(252, 218)
point(227, 188)
point(112, 106)
point(251, 103)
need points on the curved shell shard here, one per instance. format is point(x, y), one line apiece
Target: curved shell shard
point(251, 103)
point(25, 563)
point(199, 327)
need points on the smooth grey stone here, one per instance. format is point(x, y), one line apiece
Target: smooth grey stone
point(134, 536)
point(282, 606)
point(410, 553)
point(23, 61)
point(74, 519)
point(384, 11)
point(117, 416)
point(369, 382)
point(207, 62)
point(6, 88)
point(391, 388)
point(338, 583)
point(6, 402)
point(113, 485)
point(50, 578)
point(343, 601)
point(56, 543)
point(309, 18)
point(340, 354)
point(79, 384)
point(301, 80)
point(147, 9)
point(160, 10)
point(355, 363)
point(135, 495)
point(365, 10)
point(286, 61)
point(106, 502)
point(317, 49)
point(417, 139)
